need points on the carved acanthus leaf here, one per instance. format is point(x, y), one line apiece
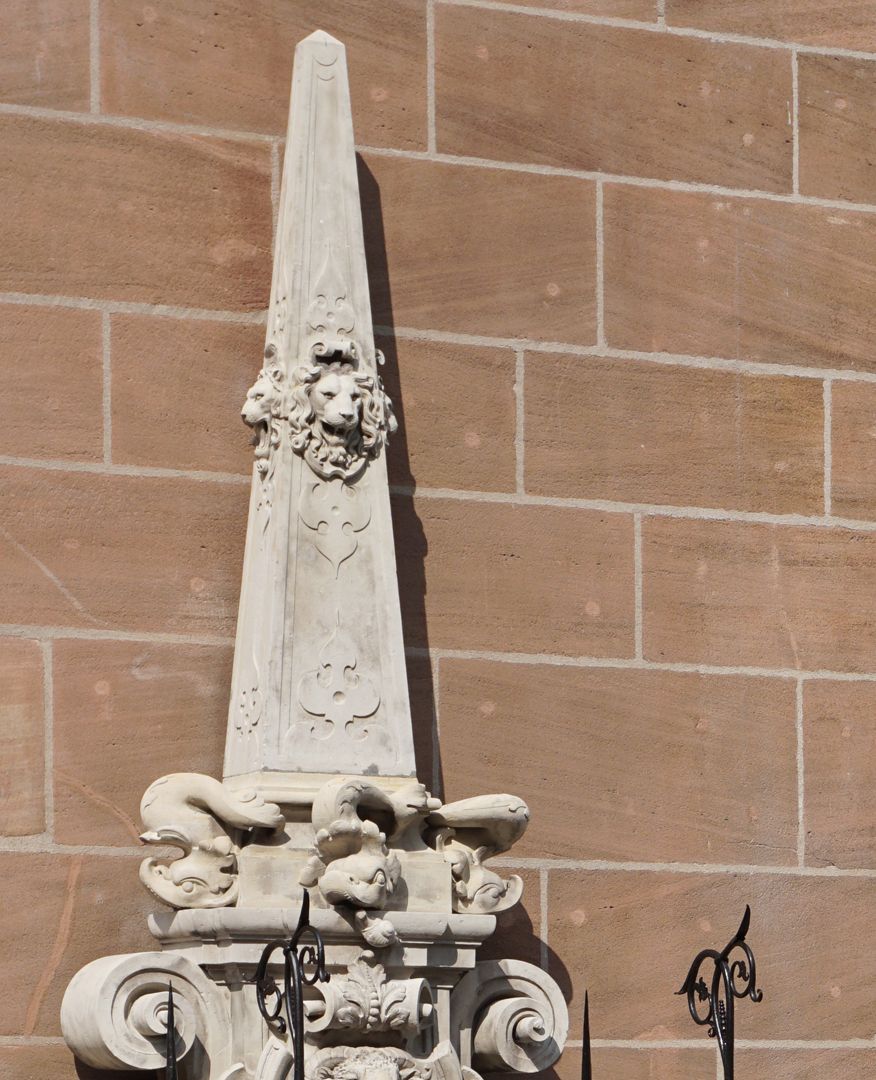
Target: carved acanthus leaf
point(368, 1000)
point(194, 813)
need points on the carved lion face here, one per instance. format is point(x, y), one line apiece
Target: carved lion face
point(364, 1063)
point(263, 400)
point(336, 399)
point(339, 417)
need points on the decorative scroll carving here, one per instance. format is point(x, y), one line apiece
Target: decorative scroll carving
point(470, 831)
point(193, 812)
point(114, 1010)
point(336, 692)
point(339, 416)
point(351, 861)
point(330, 313)
point(368, 1000)
point(335, 511)
point(383, 1063)
point(508, 1015)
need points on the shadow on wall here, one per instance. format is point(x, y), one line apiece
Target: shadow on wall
point(516, 935)
point(410, 538)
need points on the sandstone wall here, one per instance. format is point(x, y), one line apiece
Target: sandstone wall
point(623, 253)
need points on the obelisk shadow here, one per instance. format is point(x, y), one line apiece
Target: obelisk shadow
point(410, 538)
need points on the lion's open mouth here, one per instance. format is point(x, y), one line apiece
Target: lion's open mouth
point(337, 431)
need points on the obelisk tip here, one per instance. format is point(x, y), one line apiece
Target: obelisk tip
point(320, 37)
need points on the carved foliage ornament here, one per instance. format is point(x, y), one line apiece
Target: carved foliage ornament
point(368, 1000)
point(338, 416)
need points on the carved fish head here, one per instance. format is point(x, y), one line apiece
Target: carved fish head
point(365, 881)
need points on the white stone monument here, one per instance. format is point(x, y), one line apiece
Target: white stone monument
point(320, 790)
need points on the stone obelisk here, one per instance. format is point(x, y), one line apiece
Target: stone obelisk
point(319, 683)
point(319, 789)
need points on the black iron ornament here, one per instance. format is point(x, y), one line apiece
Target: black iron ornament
point(731, 979)
point(170, 1038)
point(303, 965)
point(586, 1064)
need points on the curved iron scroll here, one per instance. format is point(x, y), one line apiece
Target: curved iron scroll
point(731, 979)
point(303, 965)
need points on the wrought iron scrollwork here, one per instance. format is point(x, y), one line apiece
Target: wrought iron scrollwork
point(170, 1072)
point(303, 965)
point(731, 979)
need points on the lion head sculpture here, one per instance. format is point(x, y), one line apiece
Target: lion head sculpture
point(339, 417)
point(264, 406)
point(366, 1063)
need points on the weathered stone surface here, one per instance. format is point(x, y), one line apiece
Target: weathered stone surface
point(168, 700)
point(51, 408)
point(608, 927)
point(62, 911)
point(758, 595)
point(837, 112)
point(839, 739)
point(52, 1061)
point(228, 64)
point(513, 87)
point(633, 1063)
point(121, 552)
point(191, 216)
point(640, 10)
point(22, 743)
point(845, 24)
point(652, 433)
point(853, 446)
point(44, 53)
point(747, 279)
point(480, 251)
point(614, 748)
point(465, 393)
point(806, 1064)
point(177, 389)
point(478, 575)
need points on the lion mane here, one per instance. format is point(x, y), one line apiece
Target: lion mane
point(343, 455)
